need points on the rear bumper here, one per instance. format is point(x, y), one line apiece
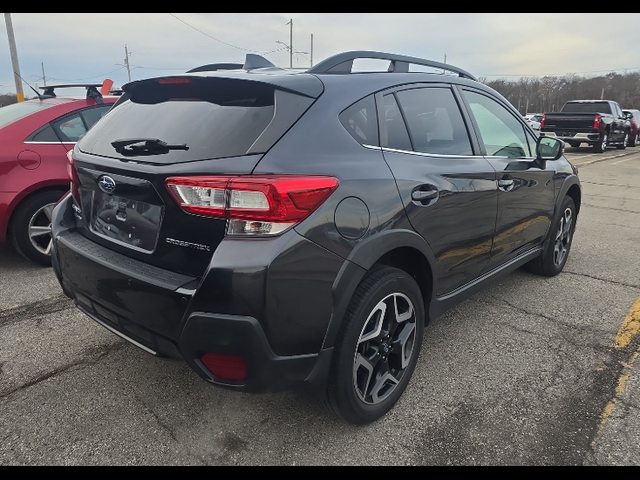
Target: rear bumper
point(153, 309)
point(583, 137)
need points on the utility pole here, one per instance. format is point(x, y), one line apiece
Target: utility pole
point(312, 49)
point(126, 61)
point(14, 58)
point(44, 77)
point(291, 43)
point(602, 94)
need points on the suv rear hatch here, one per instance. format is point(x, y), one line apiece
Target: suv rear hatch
point(186, 126)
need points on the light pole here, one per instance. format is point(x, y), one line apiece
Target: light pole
point(14, 57)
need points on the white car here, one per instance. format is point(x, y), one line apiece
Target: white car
point(534, 120)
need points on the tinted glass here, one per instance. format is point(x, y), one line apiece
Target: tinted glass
point(397, 134)
point(593, 107)
point(502, 133)
point(361, 121)
point(435, 121)
point(71, 129)
point(92, 115)
point(45, 135)
point(214, 119)
point(11, 113)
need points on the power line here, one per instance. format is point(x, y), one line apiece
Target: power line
point(217, 39)
point(86, 78)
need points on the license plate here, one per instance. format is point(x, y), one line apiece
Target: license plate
point(131, 223)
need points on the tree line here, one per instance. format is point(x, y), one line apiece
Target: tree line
point(7, 100)
point(549, 94)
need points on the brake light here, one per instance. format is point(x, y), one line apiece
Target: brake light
point(544, 118)
point(173, 81)
point(73, 177)
point(596, 121)
point(256, 204)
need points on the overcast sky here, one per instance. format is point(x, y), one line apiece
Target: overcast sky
point(87, 47)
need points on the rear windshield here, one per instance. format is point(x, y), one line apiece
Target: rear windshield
point(11, 113)
point(215, 119)
point(595, 107)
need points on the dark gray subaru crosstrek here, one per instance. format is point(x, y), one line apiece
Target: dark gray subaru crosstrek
point(279, 228)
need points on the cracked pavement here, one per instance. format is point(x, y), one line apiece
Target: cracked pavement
point(520, 374)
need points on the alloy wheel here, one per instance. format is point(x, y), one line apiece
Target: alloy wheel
point(563, 237)
point(40, 229)
point(385, 349)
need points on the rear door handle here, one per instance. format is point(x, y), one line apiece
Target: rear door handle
point(505, 185)
point(423, 195)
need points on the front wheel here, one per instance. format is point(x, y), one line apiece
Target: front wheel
point(625, 142)
point(378, 346)
point(553, 261)
point(634, 140)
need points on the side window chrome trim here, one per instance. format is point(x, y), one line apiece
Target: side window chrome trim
point(430, 155)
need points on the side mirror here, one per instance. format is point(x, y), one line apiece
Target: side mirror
point(548, 149)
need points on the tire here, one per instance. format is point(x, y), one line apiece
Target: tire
point(625, 142)
point(553, 261)
point(633, 141)
point(372, 365)
point(30, 230)
point(601, 145)
point(574, 144)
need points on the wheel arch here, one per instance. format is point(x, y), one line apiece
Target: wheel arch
point(5, 229)
point(403, 249)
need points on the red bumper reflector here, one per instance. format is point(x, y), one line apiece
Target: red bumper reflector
point(225, 367)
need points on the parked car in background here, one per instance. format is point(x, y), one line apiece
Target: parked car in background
point(35, 137)
point(285, 228)
point(534, 120)
point(634, 126)
point(598, 123)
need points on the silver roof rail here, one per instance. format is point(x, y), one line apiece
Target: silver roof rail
point(343, 63)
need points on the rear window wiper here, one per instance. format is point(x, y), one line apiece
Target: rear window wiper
point(144, 146)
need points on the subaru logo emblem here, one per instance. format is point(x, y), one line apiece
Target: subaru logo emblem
point(107, 184)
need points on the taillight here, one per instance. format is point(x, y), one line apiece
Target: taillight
point(544, 118)
point(596, 121)
point(256, 204)
point(73, 177)
point(173, 81)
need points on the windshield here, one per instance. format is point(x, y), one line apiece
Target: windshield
point(589, 107)
point(11, 113)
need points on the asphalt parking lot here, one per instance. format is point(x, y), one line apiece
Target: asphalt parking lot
point(530, 371)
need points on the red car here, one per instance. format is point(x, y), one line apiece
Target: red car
point(634, 131)
point(35, 137)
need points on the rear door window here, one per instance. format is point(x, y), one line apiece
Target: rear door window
point(397, 133)
point(435, 122)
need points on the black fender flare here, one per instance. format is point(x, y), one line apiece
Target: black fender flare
point(360, 261)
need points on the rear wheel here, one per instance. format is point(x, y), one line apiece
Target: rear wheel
point(378, 346)
point(601, 145)
point(553, 261)
point(625, 142)
point(31, 227)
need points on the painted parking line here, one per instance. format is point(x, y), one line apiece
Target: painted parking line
point(630, 327)
point(628, 331)
point(622, 161)
point(600, 159)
